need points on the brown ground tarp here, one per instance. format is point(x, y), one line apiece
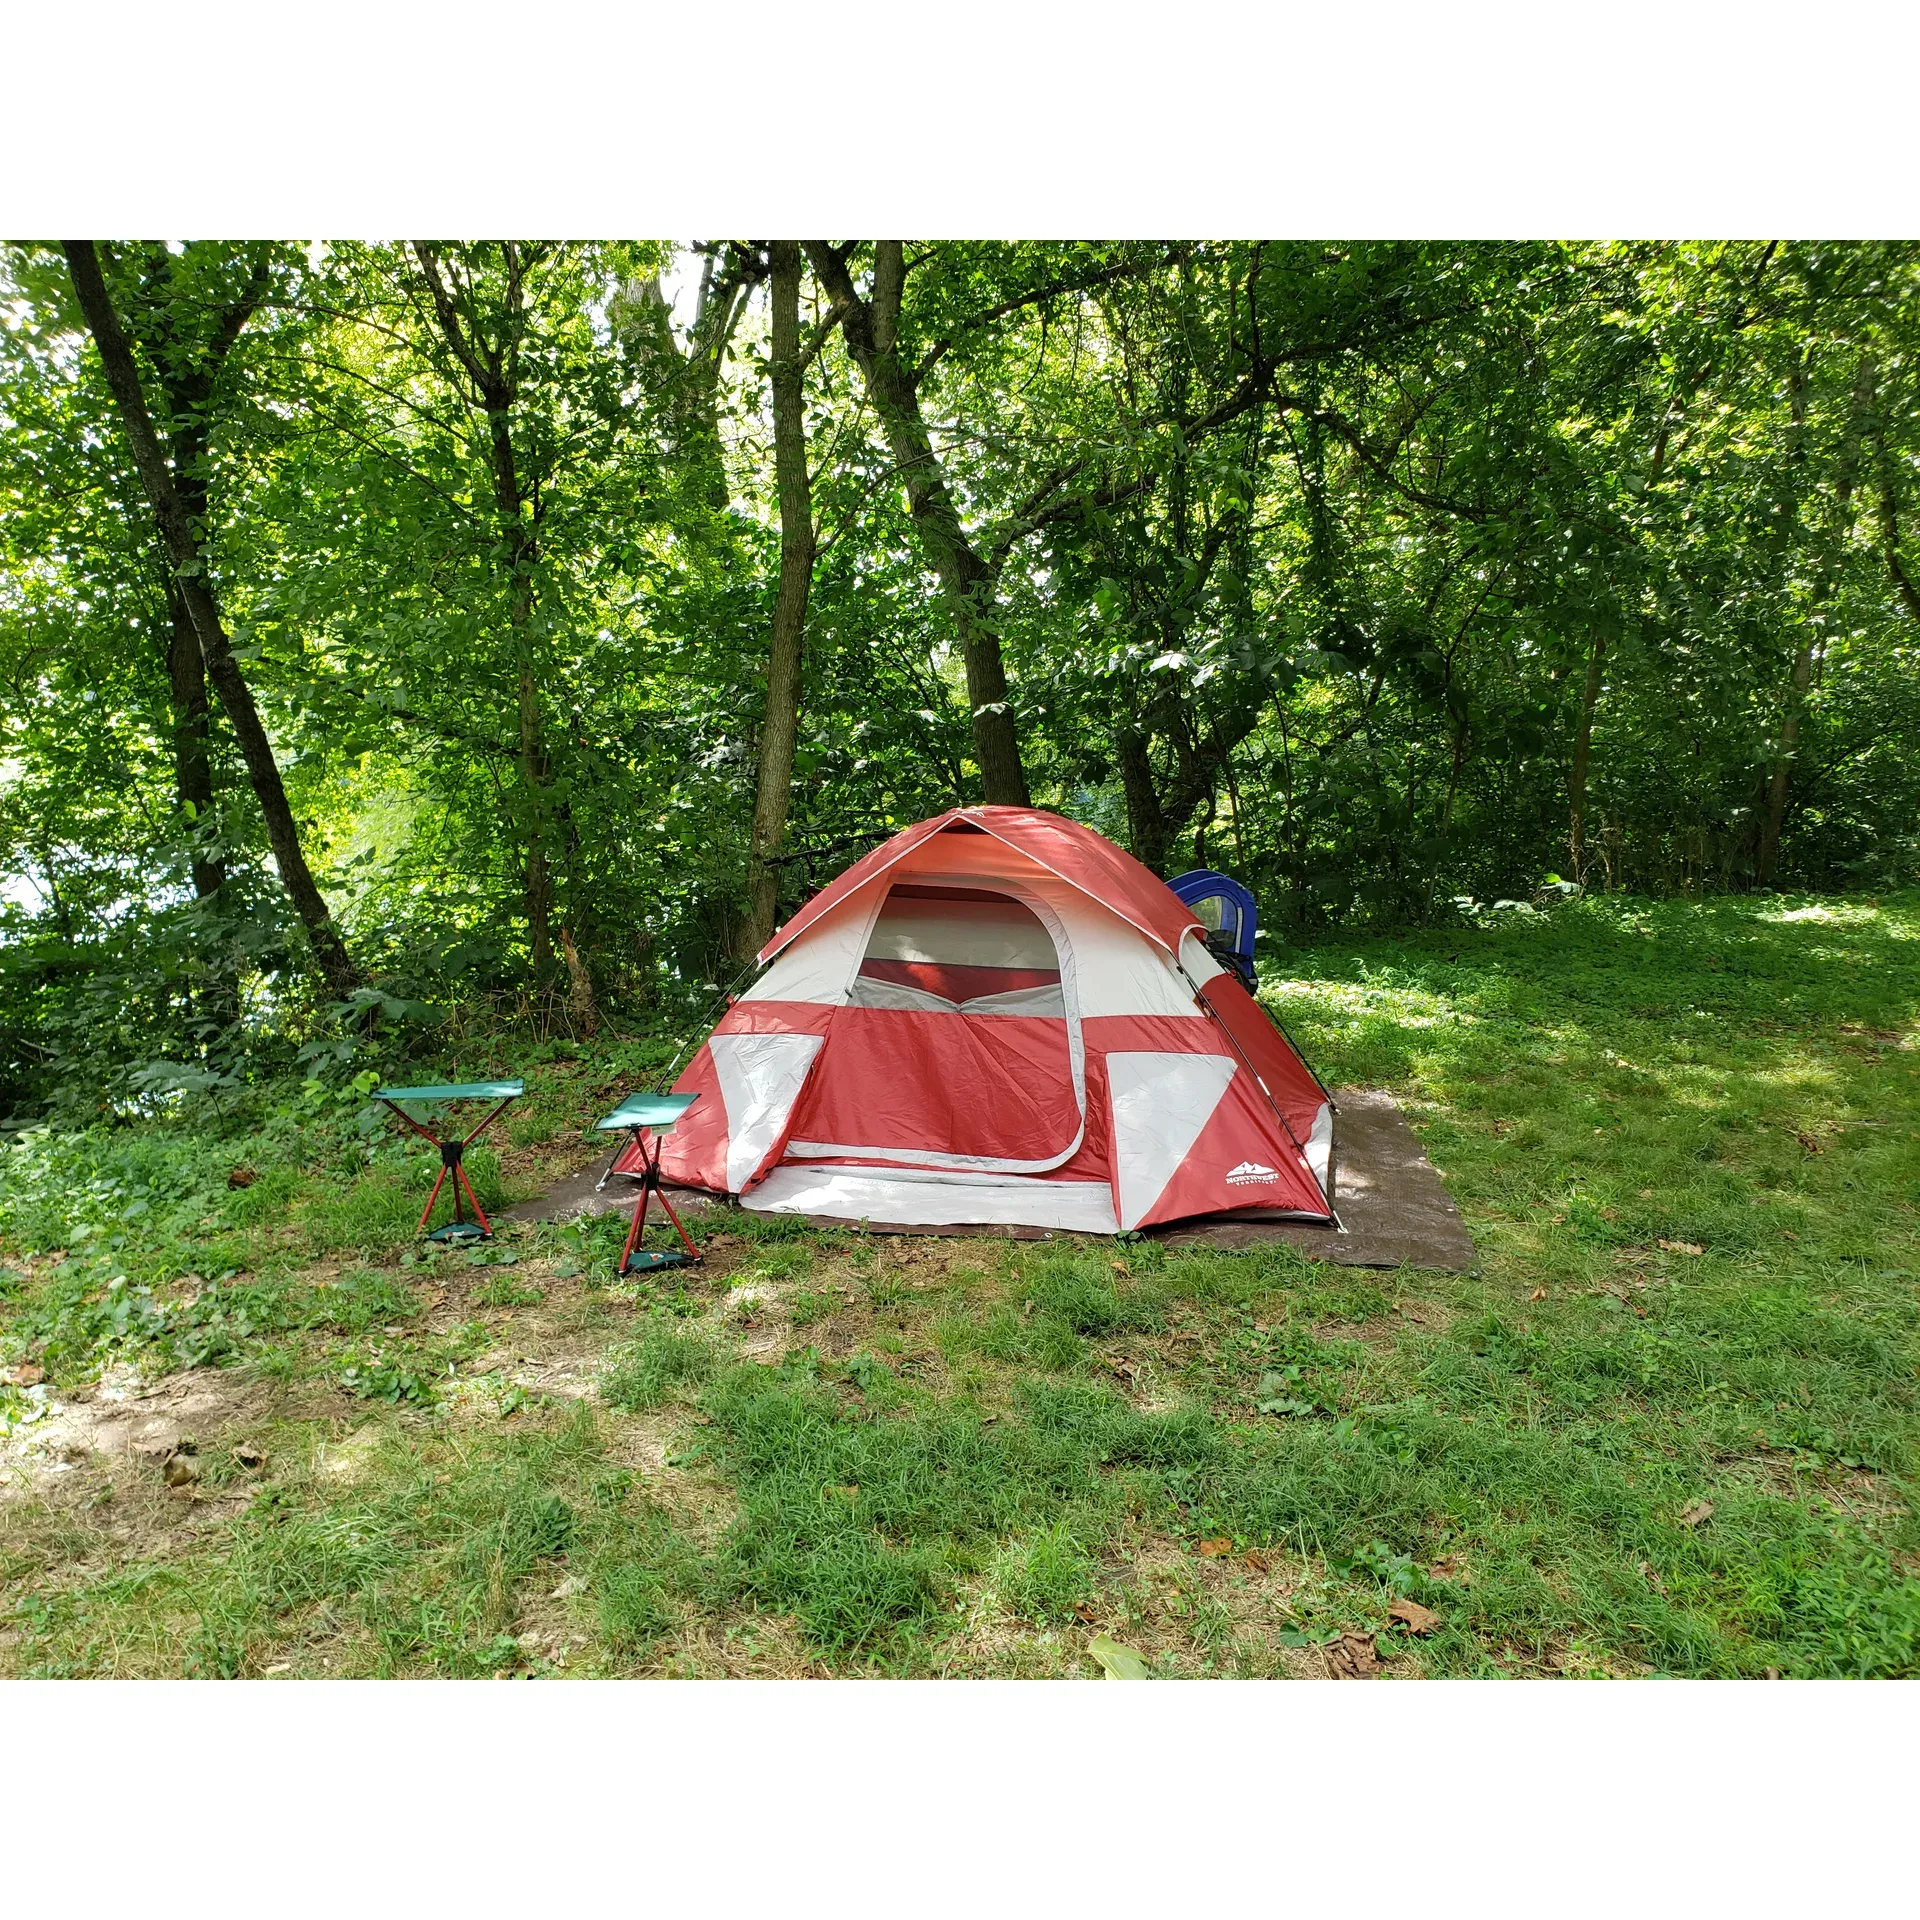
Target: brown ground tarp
point(1394, 1205)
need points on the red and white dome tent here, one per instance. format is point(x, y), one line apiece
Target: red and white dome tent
point(1000, 1018)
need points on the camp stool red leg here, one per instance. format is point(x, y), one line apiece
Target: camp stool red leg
point(460, 1171)
point(640, 1212)
point(451, 1163)
point(426, 1213)
point(634, 1232)
point(693, 1252)
point(649, 1186)
point(479, 1212)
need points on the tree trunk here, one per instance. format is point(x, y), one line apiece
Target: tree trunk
point(535, 771)
point(967, 582)
point(780, 728)
point(494, 371)
point(1890, 523)
point(190, 581)
point(1582, 753)
point(186, 372)
point(581, 1004)
point(1779, 780)
point(1159, 813)
point(192, 746)
point(690, 376)
point(1768, 852)
point(1146, 820)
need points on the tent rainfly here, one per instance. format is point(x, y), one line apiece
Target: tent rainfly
point(1000, 1018)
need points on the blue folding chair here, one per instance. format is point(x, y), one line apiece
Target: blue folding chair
point(1225, 908)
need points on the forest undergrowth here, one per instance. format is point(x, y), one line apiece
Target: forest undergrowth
point(1668, 1426)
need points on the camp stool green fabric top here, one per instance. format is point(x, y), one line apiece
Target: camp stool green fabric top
point(656, 1110)
point(506, 1092)
point(460, 1090)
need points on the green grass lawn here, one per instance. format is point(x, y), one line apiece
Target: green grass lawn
point(1668, 1426)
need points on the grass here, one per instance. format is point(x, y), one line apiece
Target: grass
point(1668, 1426)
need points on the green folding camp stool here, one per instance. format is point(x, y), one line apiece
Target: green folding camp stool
point(452, 1149)
point(654, 1113)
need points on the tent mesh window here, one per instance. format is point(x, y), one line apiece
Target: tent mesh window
point(1218, 915)
point(959, 950)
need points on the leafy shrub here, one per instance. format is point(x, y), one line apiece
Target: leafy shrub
point(395, 1384)
point(1852, 1619)
point(361, 1299)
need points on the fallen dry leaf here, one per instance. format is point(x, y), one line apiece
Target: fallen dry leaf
point(1118, 1662)
point(1697, 1514)
point(1352, 1657)
point(1213, 1549)
point(248, 1456)
point(1681, 1246)
point(1413, 1616)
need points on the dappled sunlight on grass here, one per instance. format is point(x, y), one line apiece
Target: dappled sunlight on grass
point(1668, 1425)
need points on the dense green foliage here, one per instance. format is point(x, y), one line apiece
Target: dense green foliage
point(1383, 574)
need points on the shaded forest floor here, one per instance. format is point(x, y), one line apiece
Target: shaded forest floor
point(1669, 1426)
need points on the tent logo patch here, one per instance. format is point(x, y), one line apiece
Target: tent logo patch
point(1250, 1173)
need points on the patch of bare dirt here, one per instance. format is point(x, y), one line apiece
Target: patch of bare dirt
point(1218, 1614)
point(1785, 1475)
point(761, 1646)
point(127, 1424)
point(663, 1448)
point(1379, 1336)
